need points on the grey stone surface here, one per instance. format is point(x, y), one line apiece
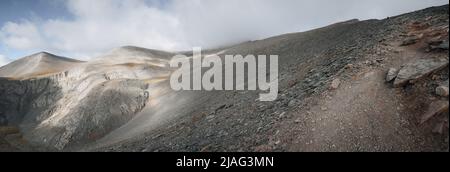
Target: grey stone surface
point(391, 74)
point(419, 69)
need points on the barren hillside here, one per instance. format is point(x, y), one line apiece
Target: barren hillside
point(375, 85)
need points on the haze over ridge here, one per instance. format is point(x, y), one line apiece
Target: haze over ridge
point(172, 25)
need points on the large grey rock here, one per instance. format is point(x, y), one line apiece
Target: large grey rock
point(442, 46)
point(335, 84)
point(435, 108)
point(391, 75)
point(419, 69)
point(410, 40)
point(442, 90)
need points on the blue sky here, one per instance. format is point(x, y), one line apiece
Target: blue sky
point(84, 29)
point(13, 10)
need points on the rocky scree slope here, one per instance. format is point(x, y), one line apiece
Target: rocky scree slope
point(356, 55)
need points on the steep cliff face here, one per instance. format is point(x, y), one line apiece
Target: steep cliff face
point(18, 98)
point(79, 117)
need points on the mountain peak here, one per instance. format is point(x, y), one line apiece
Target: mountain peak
point(38, 63)
point(44, 53)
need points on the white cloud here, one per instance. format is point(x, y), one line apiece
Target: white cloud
point(100, 25)
point(24, 35)
point(4, 60)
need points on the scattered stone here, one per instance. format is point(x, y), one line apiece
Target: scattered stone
point(220, 107)
point(205, 148)
point(375, 62)
point(349, 66)
point(209, 117)
point(441, 46)
point(292, 103)
point(259, 129)
point(434, 77)
point(379, 60)
point(298, 121)
point(157, 136)
point(391, 75)
point(263, 148)
point(368, 62)
point(277, 142)
point(410, 40)
point(442, 91)
point(281, 115)
point(418, 70)
point(335, 84)
point(435, 108)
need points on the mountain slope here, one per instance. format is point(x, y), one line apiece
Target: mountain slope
point(364, 114)
point(122, 101)
point(80, 103)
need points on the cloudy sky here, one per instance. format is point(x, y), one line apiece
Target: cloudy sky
point(85, 28)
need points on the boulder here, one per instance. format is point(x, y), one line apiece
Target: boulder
point(292, 103)
point(410, 40)
point(442, 46)
point(391, 75)
point(335, 84)
point(418, 70)
point(442, 90)
point(434, 108)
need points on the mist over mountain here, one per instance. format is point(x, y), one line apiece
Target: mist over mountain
point(90, 28)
